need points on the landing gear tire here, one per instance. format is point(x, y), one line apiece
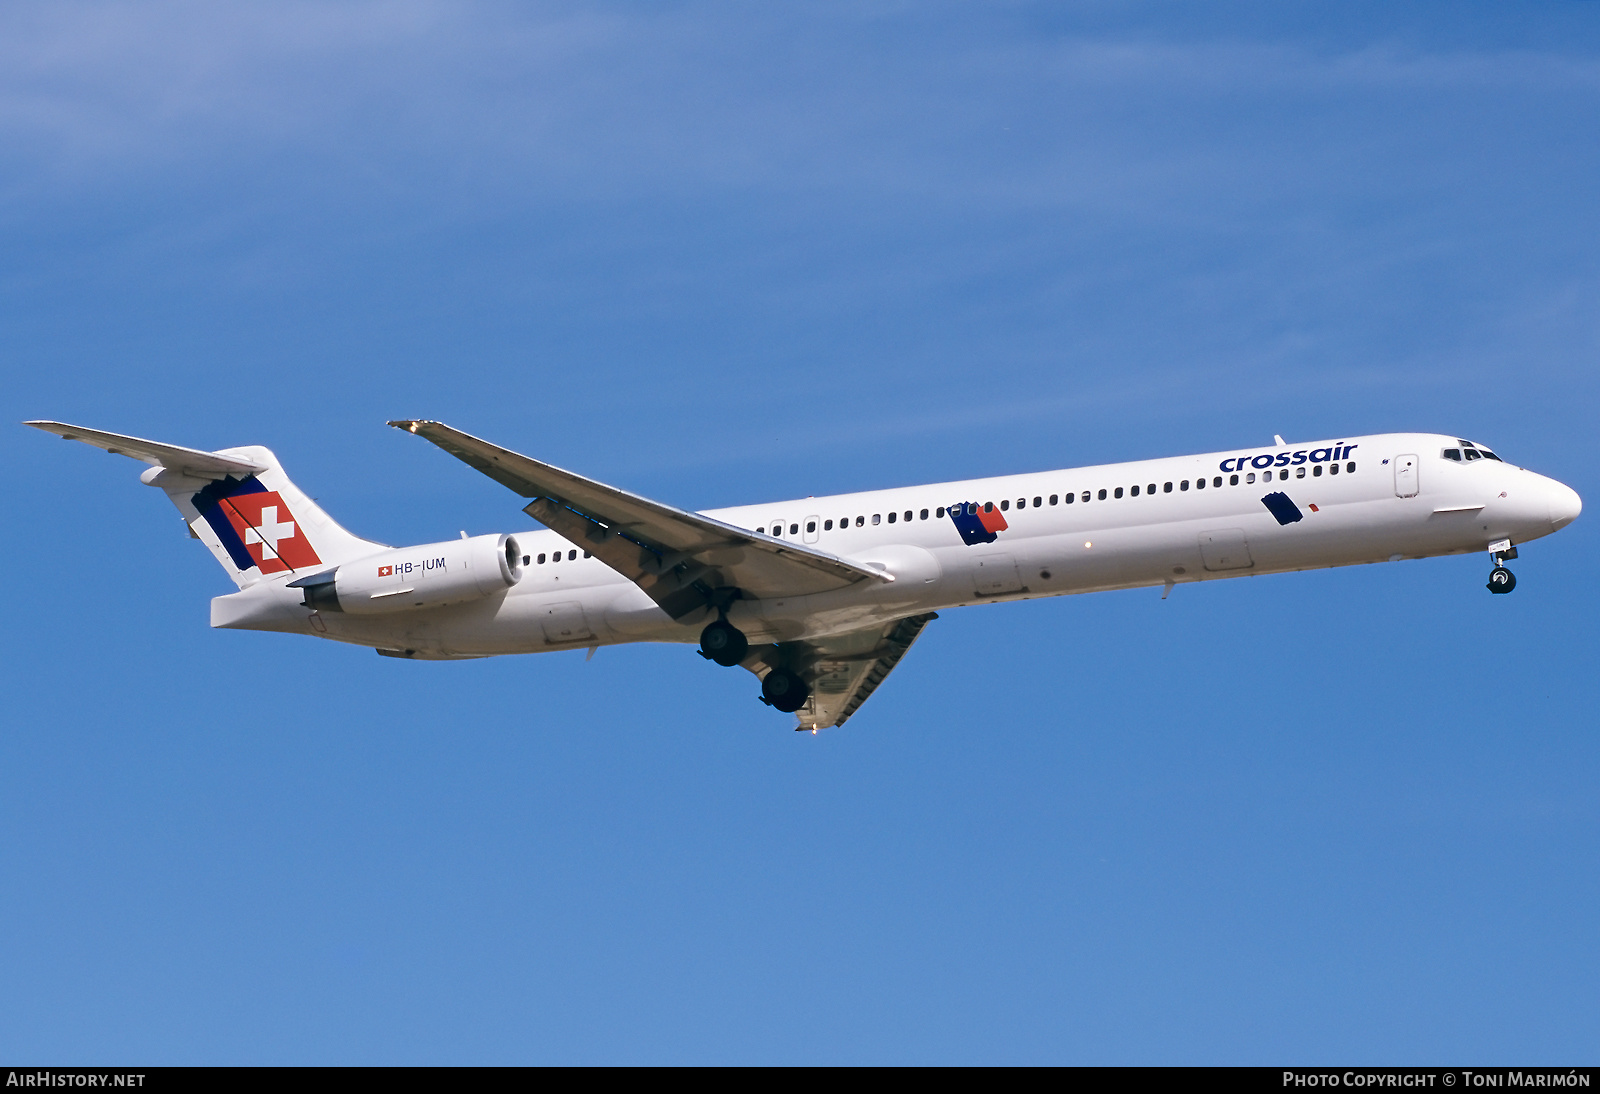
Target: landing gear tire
point(784, 690)
point(1501, 580)
point(724, 643)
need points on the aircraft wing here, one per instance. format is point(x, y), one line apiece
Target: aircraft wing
point(190, 461)
point(846, 669)
point(680, 559)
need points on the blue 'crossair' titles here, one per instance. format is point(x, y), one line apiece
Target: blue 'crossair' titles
point(1340, 451)
point(1281, 506)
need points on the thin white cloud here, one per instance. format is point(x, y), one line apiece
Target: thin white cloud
point(493, 100)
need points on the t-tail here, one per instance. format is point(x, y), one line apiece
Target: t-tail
point(239, 503)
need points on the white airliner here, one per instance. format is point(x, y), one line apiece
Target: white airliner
point(821, 597)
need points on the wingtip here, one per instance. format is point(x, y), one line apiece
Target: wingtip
point(410, 425)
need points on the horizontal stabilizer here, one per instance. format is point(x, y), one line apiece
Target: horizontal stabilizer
point(187, 461)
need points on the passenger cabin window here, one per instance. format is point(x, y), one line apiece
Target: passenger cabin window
point(1117, 492)
point(891, 517)
point(827, 526)
point(908, 514)
point(1316, 472)
point(861, 521)
point(811, 526)
point(1300, 472)
point(1053, 499)
point(1038, 501)
point(1333, 469)
point(541, 560)
point(1200, 484)
point(572, 556)
point(1086, 495)
point(1218, 480)
point(1134, 492)
point(1184, 485)
point(1251, 477)
point(939, 512)
point(1166, 488)
point(877, 518)
point(922, 515)
point(1004, 505)
point(1349, 469)
point(1151, 488)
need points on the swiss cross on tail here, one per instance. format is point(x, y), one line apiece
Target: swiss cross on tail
point(269, 532)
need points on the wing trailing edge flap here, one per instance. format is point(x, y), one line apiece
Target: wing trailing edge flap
point(844, 670)
point(680, 559)
point(186, 461)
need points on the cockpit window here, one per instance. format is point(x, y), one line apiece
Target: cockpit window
point(1469, 452)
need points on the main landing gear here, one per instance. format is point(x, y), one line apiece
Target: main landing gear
point(784, 690)
point(723, 643)
point(1502, 580)
point(727, 645)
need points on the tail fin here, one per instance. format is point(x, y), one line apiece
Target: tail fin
point(239, 503)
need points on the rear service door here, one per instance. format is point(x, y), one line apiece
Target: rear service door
point(1405, 476)
point(565, 622)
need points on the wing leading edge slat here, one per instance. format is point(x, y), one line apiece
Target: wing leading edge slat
point(682, 560)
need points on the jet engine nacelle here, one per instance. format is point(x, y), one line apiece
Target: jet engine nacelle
point(429, 576)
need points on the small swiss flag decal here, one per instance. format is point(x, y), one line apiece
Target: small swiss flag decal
point(270, 533)
point(385, 571)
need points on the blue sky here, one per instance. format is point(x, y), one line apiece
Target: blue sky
point(719, 254)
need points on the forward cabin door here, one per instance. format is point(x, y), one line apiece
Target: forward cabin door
point(1405, 476)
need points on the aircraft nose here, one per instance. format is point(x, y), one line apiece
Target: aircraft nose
point(1565, 505)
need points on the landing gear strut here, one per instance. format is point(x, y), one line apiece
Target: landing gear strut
point(723, 643)
point(785, 691)
point(1502, 580)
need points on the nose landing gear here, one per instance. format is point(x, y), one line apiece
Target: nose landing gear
point(1501, 580)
